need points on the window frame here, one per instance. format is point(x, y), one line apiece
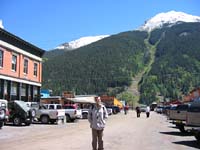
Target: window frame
point(14, 65)
point(1, 58)
point(25, 70)
point(35, 69)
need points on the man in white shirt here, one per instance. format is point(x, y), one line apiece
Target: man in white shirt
point(96, 116)
point(148, 111)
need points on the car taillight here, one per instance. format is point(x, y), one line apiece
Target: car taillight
point(75, 112)
point(7, 113)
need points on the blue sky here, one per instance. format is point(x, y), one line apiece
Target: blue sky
point(48, 23)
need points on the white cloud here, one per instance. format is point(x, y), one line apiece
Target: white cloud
point(1, 24)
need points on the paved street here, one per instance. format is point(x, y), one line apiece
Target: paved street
point(123, 132)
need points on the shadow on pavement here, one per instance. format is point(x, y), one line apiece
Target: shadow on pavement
point(174, 127)
point(193, 144)
point(177, 133)
point(12, 125)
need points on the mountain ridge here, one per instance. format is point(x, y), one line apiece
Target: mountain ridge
point(159, 20)
point(113, 62)
point(83, 41)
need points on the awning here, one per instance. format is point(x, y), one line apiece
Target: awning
point(82, 99)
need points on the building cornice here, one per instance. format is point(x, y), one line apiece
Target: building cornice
point(18, 50)
point(20, 43)
point(19, 80)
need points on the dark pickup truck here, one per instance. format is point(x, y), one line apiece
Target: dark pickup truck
point(177, 116)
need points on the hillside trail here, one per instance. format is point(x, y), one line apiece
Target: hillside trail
point(134, 89)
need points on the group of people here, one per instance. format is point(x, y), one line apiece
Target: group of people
point(138, 111)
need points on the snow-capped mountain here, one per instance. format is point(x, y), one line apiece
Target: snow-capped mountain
point(1, 24)
point(81, 42)
point(171, 17)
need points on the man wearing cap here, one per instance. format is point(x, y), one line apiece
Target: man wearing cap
point(96, 116)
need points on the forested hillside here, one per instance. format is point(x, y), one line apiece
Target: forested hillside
point(108, 63)
point(176, 69)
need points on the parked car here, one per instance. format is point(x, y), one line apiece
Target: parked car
point(85, 110)
point(115, 109)
point(159, 109)
point(33, 106)
point(50, 113)
point(3, 112)
point(177, 115)
point(166, 110)
point(53, 106)
point(109, 110)
point(72, 112)
point(193, 119)
point(19, 113)
point(143, 108)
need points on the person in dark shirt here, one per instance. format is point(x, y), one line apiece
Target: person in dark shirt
point(138, 111)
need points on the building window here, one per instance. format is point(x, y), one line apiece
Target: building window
point(14, 62)
point(14, 89)
point(26, 66)
point(1, 58)
point(35, 69)
point(35, 93)
point(5, 92)
point(23, 90)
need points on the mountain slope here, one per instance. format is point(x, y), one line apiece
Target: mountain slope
point(166, 57)
point(110, 62)
point(176, 69)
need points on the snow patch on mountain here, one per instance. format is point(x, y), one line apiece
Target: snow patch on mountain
point(1, 24)
point(81, 42)
point(171, 17)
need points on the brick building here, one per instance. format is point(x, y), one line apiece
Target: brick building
point(20, 68)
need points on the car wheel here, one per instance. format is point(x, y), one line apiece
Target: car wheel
point(114, 111)
point(197, 136)
point(17, 121)
point(181, 128)
point(68, 119)
point(33, 113)
point(45, 119)
point(28, 123)
point(1, 124)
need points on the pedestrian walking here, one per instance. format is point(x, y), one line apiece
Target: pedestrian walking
point(125, 109)
point(96, 117)
point(138, 111)
point(148, 111)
